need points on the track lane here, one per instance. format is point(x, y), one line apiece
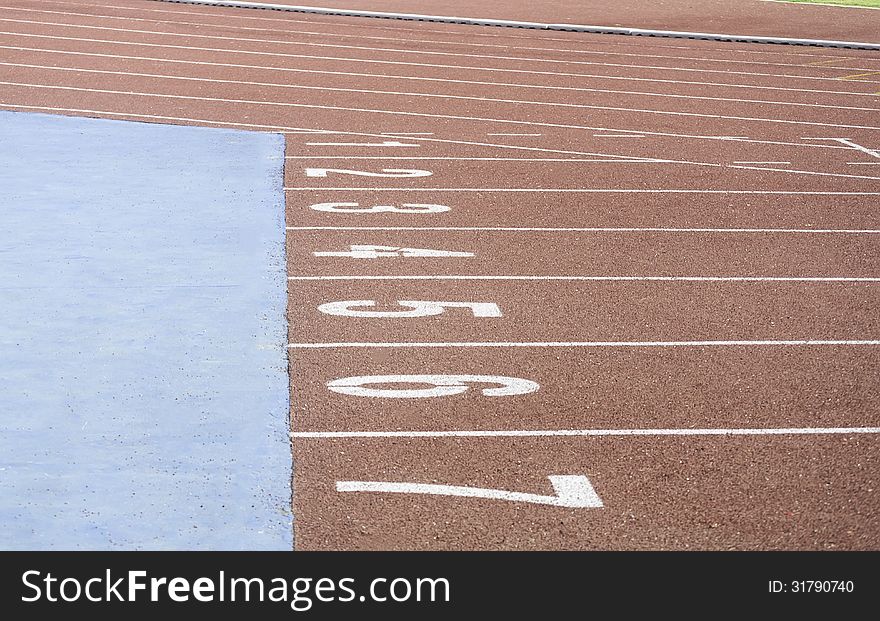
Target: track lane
point(653, 387)
point(605, 311)
point(583, 101)
point(339, 107)
point(422, 45)
point(660, 494)
point(802, 73)
point(232, 18)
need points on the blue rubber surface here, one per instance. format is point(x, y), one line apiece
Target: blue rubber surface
point(143, 372)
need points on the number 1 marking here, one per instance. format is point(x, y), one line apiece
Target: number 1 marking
point(573, 491)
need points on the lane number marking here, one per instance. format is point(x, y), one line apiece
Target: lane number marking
point(356, 208)
point(418, 308)
point(387, 143)
point(442, 386)
point(573, 491)
point(368, 251)
point(389, 173)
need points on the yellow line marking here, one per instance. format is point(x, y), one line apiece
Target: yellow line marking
point(859, 75)
point(825, 62)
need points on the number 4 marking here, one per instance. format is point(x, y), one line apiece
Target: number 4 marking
point(366, 251)
point(573, 491)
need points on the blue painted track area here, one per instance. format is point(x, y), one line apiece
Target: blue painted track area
point(143, 374)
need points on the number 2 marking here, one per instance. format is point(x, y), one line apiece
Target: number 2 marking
point(573, 491)
point(389, 173)
point(419, 309)
point(442, 386)
point(356, 208)
point(366, 251)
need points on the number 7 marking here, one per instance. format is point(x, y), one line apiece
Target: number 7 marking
point(573, 491)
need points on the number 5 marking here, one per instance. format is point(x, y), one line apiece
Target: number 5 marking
point(419, 309)
point(443, 386)
point(389, 173)
point(407, 208)
point(573, 491)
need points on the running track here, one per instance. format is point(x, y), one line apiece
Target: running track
point(663, 254)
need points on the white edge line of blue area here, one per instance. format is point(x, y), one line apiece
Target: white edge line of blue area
point(595, 229)
point(634, 344)
point(144, 391)
point(474, 21)
point(550, 278)
point(562, 433)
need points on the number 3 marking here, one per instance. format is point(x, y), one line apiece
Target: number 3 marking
point(443, 386)
point(419, 309)
point(389, 173)
point(355, 208)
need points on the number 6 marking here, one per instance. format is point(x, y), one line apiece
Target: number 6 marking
point(355, 208)
point(419, 309)
point(389, 173)
point(443, 386)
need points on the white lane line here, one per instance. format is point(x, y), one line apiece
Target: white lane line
point(419, 114)
point(589, 191)
point(432, 65)
point(459, 81)
point(618, 136)
point(762, 162)
point(297, 105)
point(810, 279)
point(460, 43)
point(298, 130)
point(582, 229)
point(803, 172)
point(864, 163)
point(551, 433)
point(387, 143)
point(518, 36)
point(599, 344)
point(517, 102)
point(838, 6)
point(405, 52)
point(467, 159)
point(852, 144)
point(407, 133)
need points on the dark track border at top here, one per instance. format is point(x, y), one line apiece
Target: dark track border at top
point(639, 32)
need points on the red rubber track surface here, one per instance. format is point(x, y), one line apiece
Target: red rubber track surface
point(680, 240)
